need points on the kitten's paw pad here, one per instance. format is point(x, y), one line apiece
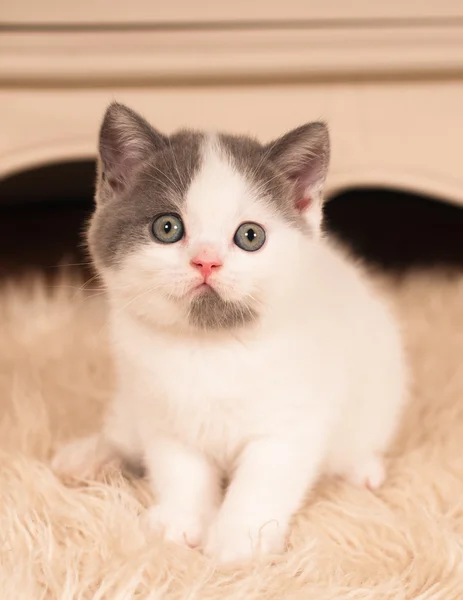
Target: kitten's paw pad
point(181, 527)
point(80, 459)
point(370, 474)
point(238, 542)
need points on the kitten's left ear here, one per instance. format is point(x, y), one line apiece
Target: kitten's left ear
point(126, 141)
point(302, 156)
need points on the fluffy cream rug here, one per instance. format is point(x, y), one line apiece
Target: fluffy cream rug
point(86, 541)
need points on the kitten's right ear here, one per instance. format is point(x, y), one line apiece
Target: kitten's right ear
point(302, 156)
point(126, 141)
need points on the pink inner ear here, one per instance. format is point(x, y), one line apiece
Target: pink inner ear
point(303, 203)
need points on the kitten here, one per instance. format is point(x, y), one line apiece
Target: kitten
point(246, 345)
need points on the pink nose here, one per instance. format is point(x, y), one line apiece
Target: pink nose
point(206, 265)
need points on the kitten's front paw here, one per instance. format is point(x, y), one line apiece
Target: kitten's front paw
point(369, 473)
point(238, 541)
point(178, 526)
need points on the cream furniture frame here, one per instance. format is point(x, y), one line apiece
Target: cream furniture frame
point(388, 78)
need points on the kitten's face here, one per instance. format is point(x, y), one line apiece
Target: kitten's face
point(197, 230)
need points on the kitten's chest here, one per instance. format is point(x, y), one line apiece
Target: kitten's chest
point(213, 380)
point(210, 396)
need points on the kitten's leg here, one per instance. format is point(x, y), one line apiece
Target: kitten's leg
point(268, 487)
point(187, 489)
point(373, 414)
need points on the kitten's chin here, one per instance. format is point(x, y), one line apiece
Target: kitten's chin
point(209, 311)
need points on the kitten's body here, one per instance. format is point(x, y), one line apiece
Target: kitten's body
point(218, 391)
point(304, 376)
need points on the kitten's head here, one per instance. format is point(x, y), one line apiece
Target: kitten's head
point(203, 231)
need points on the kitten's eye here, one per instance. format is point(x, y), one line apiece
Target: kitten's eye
point(249, 237)
point(168, 229)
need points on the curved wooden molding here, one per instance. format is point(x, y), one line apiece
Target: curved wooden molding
point(147, 57)
point(46, 153)
point(434, 185)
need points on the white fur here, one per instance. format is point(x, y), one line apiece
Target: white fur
point(316, 385)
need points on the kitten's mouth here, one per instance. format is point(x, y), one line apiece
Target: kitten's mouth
point(202, 291)
point(203, 287)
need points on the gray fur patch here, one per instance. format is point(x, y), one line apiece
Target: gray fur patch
point(209, 311)
point(160, 185)
point(252, 159)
